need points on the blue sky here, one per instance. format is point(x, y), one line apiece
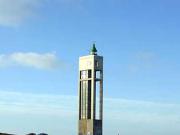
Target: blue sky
point(41, 41)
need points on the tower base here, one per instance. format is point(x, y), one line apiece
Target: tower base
point(90, 127)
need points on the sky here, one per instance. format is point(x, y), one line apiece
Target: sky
point(42, 40)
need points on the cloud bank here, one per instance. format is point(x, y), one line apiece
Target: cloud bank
point(30, 59)
point(120, 115)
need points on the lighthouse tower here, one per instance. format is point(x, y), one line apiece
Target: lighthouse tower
point(91, 94)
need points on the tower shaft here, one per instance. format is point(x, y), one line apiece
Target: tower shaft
point(90, 95)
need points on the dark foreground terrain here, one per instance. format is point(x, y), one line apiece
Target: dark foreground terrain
point(26, 134)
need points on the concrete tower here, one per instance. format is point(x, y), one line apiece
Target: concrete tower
point(91, 94)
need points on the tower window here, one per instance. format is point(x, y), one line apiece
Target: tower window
point(97, 100)
point(85, 74)
point(97, 63)
point(98, 74)
point(89, 73)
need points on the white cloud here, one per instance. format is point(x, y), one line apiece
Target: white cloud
point(14, 12)
point(143, 61)
point(30, 59)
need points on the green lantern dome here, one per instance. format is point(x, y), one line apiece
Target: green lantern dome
point(94, 50)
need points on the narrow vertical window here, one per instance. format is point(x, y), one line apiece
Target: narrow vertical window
point(89, 99)
point(97, 100)
point(89, 73)
point(96, 63)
